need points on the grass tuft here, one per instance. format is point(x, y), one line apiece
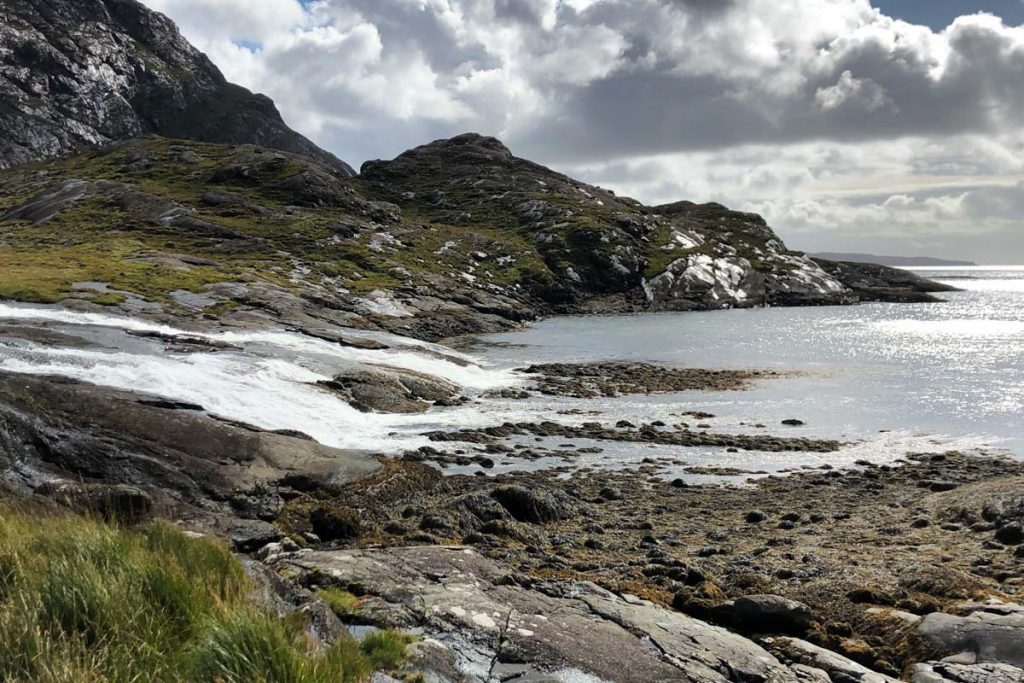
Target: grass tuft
point(385, 649)
point(83, 601)
point(343, 603)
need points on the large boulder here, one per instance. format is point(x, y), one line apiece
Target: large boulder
point(979, 634)
point(771, 614)
point(392, 390)
point(536, 505)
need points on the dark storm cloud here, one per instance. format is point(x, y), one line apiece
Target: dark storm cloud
point(870, 89)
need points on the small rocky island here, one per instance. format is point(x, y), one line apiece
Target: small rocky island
point(178, 217)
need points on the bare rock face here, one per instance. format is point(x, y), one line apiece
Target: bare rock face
point(480, 624)
point(978, 634)
point(126, 456)
point(600, 250)
point(91, 72)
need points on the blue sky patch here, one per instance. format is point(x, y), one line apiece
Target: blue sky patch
point(938, 14)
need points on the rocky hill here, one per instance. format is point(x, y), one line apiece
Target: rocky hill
point(90, 72)
point(453, 237)
point(598, 249)
point(230, 215)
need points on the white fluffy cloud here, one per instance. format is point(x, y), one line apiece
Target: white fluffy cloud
point(847, 128)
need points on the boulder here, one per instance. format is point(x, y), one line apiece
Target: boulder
point(536, 505)
point(335, 522)
point(392, 390)
point(980, 634)
point(771, 614)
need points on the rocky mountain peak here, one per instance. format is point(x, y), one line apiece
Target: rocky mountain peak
point(466, 150)
point(75, 73)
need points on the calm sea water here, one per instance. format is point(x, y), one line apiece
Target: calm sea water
point(949, 373)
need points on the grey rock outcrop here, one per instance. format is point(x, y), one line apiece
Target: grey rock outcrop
point(817, 662)
point(977, 634)
point(91, 72)
point(124, 454)
point(480, 625)
point(949, 672)
point(874, 282)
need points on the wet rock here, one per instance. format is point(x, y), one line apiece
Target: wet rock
point(79, 432)
point(793, 423)
point(771, 614)
point(393, 391)
point(536, 505)
point(113, 502)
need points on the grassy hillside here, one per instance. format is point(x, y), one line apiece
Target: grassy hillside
point(456, 223)
point(240, 214)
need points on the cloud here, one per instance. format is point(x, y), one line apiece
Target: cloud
point(616, 87)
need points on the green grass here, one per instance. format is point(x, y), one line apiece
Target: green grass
point(83, 601)
point(385, 649)
point(343, 603)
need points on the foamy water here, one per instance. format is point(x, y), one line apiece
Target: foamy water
point(270, 382)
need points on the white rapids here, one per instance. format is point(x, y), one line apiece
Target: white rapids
point(270, 382)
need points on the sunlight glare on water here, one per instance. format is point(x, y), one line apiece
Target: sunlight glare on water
point(954, 368)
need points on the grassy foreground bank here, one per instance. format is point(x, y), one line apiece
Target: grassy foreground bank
point(82, 601)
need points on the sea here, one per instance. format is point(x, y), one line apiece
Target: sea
point(885, 379)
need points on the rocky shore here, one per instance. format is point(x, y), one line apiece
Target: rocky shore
point(189, 258)
point(911, 570)
point(866, 574)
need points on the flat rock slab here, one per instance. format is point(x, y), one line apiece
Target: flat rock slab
point(945, 672)
point(476, 617)
point(985, 635)
point(815, 660)
point(54, 428)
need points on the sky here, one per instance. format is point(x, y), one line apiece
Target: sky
point(881, 126)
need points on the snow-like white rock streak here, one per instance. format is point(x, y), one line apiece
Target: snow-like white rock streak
point(270, 383)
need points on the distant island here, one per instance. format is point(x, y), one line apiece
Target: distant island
point(890, 260)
